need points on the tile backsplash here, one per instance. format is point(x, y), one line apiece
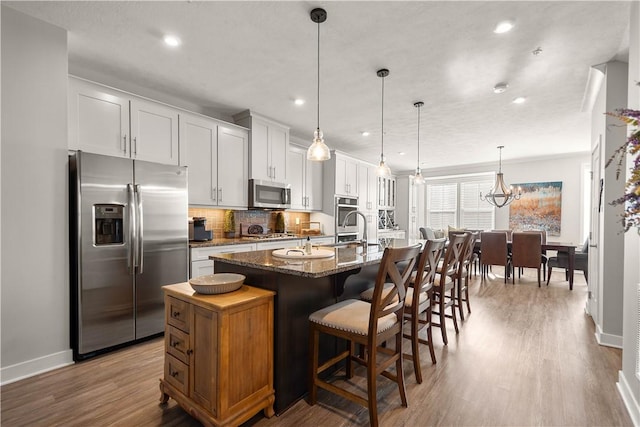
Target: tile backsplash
point(293, 221)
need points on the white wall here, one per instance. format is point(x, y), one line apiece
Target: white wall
point(34, 247)
point(629, 383)
point(565, 168)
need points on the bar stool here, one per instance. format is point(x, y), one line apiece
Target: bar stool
point(444, 289)
point(369, 325)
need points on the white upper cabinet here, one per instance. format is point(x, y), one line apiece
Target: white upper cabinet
point(106, 121)
point(346, 176)
point(268, 147)
point(367, 187)
point(216, 157)
point(199, 138)
point(305, 177)
point(98, 119)
point(154, 132)
point(233, 172)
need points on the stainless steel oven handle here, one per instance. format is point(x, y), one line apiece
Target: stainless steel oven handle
point(140, 229)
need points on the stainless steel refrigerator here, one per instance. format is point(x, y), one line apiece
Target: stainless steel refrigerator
point(129, 237)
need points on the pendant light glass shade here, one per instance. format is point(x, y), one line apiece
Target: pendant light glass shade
point(383, 170)
point(501, 195)
point(318, 151)
point(418, 179)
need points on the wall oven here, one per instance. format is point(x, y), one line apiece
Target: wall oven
point(348, 231)
point(269, 195)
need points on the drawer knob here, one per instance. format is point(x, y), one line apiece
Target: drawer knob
point(189, 352)
point(174, 373)
point(175, 344)
point(176, 314)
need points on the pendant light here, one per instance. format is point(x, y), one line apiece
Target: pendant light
point(500, 195)
point(418, 179)
point(318, 151)
point(383, 169)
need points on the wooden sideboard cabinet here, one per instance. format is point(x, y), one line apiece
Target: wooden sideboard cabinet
point(219, 353)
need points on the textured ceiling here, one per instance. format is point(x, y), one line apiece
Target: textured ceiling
point(261, 55)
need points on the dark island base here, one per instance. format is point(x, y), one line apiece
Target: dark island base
point(296, 298)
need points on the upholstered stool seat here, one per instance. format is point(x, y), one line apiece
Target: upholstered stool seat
point(351, 315)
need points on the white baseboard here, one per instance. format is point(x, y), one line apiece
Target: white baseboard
point(29, 368)
point(608, 340)
point(628, 398)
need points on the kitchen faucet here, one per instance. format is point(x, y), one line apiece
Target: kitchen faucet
point(364, 218)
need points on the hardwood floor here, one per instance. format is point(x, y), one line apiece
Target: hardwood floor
point(525, 356)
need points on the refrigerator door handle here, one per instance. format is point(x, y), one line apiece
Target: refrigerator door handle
point(132, 244)
point(140, 227)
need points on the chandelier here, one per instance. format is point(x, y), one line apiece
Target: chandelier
point(500, 195)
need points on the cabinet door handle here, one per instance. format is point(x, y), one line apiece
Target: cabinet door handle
point(135, 145)
point(274, 172)
point(214, 192)
point(269, 173)
point(219, 194)
point(124, 144)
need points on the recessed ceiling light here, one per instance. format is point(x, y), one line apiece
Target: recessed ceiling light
point(402, 153)
point(172, 41)
point(298, 101)
point(500, 88)
point(519, 100)
point(503, 27)
point(365, 133)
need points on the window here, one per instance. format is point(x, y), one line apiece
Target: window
point(455, 201)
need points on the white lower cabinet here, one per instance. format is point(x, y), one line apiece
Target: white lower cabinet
point(279, 244)
point(201, 264)
point(324, 240)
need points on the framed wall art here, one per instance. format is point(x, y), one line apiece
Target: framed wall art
point(539, 208)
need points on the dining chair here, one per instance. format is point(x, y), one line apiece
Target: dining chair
point(543, 258)
point(580, 262)
point(526, 251)
point(444, 287)
point(370, 325)
point(427, 233)
point(493, 245)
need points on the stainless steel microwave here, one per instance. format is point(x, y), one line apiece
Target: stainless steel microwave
point(269, 195)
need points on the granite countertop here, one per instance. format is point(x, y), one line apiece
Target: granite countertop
point(242, 240)
point(346, 258)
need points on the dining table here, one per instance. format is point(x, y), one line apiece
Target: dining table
point(568, 248)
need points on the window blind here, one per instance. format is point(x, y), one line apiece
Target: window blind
point(441, 205)
point(455, 201)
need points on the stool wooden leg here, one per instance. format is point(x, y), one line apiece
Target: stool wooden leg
point(372, 387)
point(415, 349)
point(400, 371)
point(313, 365)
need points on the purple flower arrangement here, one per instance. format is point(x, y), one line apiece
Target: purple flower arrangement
point(631, 198)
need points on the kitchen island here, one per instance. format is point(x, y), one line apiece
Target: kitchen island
point(302, 287)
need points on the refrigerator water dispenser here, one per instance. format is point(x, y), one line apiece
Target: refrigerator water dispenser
point(108, 224)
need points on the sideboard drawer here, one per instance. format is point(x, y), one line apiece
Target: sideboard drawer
point(178, 313)
point(177, 344)
point(176, 373)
